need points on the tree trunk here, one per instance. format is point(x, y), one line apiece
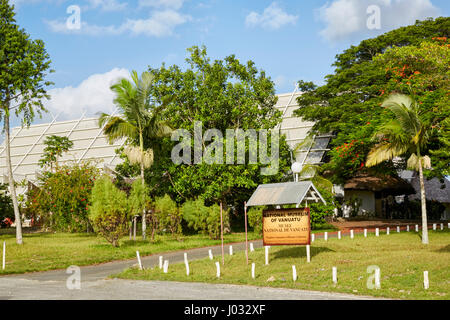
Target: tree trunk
point(424, 203)
point(144, 223)
point(12, 187)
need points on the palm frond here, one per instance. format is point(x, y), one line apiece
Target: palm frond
point(413, 162)
point(116, 128)
point(384, 151)
point(135, 156)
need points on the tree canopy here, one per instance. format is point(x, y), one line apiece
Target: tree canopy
point(408, 60)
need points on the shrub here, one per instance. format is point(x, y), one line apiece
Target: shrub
point(255, 219)
point(6, 207)
point(109, 210)
point(168, 215)
point(61, 200)
point(204, 219)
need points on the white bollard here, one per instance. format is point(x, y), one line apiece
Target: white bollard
point(308, 253)
point(218, 269)
point(334, 275)
point(351, 234)
point(442, 226)
point(267, 254)
point(251, 247)
point(187, 267)
point(407, 228)
point(231, 250)
point(4, 255)
point(185, 258)
point(166, 266)
point(434, 226)
point(417, 228)
point(160, 262)
point(139, 260)
point(426, 283)
point(377, 232)
point(339, 235)
point(253, 270)
point(325, 236)
point(398, 229)
point(210, 254)
point(448, 225)
point(377, 278)
point(365, 233)
point(387, 231)
point(312, 237)
point(294, 274)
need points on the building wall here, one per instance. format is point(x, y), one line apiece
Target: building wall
point(368, 204)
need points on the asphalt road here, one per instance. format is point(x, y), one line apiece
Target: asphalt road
point(94, 285)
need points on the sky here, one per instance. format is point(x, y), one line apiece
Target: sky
point(92, 43)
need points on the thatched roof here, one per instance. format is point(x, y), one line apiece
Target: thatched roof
point(433, 189)
point(386, 183)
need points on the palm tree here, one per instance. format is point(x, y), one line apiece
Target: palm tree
point(405, 134)
point(139, 119)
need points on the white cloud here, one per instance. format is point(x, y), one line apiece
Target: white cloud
point(91, 95)
point(171, 4)
point(273, 17)
point(107, 5)
point(159, 24)
point(346, 18)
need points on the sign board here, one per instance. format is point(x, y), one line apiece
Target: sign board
point(286, 227)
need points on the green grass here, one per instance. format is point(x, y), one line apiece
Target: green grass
point(401, 258)
point(47, 251)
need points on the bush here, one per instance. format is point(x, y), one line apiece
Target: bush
point(255, 219)
point(109, 210)
point(6, 207)
point(204, 219)
point(168, 215)
point(61, 200)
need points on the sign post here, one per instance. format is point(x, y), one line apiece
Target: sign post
point(221, 233)
point(246, 239)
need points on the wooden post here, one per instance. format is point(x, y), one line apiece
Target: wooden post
point(251, 247)
point(246, 239)
point(442, 226)
point(351, 234)
point(166, 266)
point(185, 257)
point(417, 228)
point(387, 231)
point(334, 275)
point(426, 283)
point(325, 236)
point(365, 233)
point(434, 226)
point(377, 232)
point(253, 270)
point(398, 229)
point(134, 231)
point(312, 237)
point(210, 254)
point(221, 233)
point(160, 262)
point(139, 260)
point(308, 253)
point(267, 254)
point(407, 228)
point(231, 250)
point(339, 235)
point(186, 262)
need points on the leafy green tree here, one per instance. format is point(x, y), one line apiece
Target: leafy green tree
point(168, 215)
point(6, 206)
point(139, 121)
point(404, 134)
point(348, 105)
point(109, 211)
point(221, 94)
point(23, 66)
point(55, 146)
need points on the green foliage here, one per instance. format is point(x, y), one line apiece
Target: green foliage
point(349, 103)
point(6, 206)
point(204, 219)
point(109, 210)
point(55, 146)
point(255, 219)
point(139, 197)
point(61, 200)
point(23, 66)
point(221, 94)
point(168, 215)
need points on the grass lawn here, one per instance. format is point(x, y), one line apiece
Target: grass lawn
point(47, 251)
point(401, 258)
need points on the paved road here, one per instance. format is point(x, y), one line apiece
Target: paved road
point(94, 285)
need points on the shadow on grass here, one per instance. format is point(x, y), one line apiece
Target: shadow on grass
point(444, 249)
point(298, 252)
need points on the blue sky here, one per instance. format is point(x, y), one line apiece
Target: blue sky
point(290, 40)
